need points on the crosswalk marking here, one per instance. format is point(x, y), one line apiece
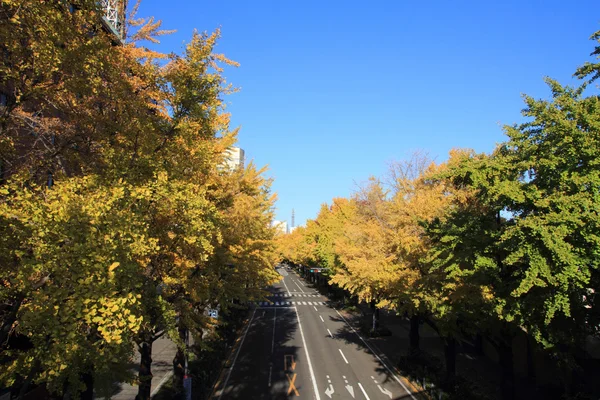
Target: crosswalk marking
point(287, 303)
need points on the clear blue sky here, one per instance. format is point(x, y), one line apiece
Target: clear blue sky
point(331, 91)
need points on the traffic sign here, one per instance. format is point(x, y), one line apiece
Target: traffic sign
point(213, 313)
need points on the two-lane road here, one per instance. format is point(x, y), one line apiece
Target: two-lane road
point(297, 346)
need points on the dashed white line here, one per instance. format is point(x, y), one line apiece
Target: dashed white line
point(376, 356)
point(273, 340)
point(330, 334)
point(363, 390)
point(315, 308)
point(270, 371)
point(343, 356)
point(321, 318)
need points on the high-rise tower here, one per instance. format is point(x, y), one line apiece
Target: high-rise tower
point(293, 224)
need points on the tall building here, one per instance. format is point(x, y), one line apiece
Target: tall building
point(234, 158)
point(281, 226)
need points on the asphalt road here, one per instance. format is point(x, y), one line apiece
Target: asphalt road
point(298, 347)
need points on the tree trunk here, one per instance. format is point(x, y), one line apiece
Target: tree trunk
point(179, 364)
point(508, 376)
point(414, 332)
point(25, 387)
point(145, 374)
point(530, 360)
point(88, 380)
point(9, 319)
point(450, 355)
point(479, 344)
point(375, 315)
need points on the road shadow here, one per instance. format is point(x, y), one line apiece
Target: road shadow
point(266, 363)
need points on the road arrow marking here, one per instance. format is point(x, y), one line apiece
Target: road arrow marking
point(385, 391)
point(292, 387)
point(350, 389)
point(291, 365)
point(329, 391)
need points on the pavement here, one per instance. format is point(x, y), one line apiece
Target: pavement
point(163, 352)
point(297, 345)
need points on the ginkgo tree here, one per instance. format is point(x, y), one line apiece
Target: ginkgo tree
point(113, 212)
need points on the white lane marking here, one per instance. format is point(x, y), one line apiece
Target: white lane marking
point(315, 308)
point(303, 303)
point(310, 368)
point(270, 370)
point(273, 341)
point(363, 390)
point(286, 288)
point(321, 318)
point(384, 391)
point(310, 303)
point(330, 334)
point(343, 356)
point(350, 389)
point(379, 358)
point(299, 287)
point(237, 354)
point(162, 382)
point(329, 391)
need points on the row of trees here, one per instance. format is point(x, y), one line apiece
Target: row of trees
point(483, 243)
point(119, 220)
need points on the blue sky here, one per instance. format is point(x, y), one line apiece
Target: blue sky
point(332, 91)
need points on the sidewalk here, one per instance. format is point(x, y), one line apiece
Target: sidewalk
point(163, 352)
point(469, 364)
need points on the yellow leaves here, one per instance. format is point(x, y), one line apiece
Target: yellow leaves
point(113, 266)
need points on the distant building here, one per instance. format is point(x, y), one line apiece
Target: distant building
point(114, 17)
point(234, 158)
point(281, 226)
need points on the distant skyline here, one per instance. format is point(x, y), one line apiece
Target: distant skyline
point(331, 92)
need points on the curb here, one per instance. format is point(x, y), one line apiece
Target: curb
point(227, 360)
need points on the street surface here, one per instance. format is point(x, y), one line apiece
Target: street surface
point(296, 346)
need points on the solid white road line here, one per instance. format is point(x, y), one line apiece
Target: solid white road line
point(363, 390)
point(375, 354)
point(310, 368)
point(343, 356)
point(273, 340)
point(162, 382)
point(330, 334)
point(322, 320)
point(237, 354)
point(286, 288)
point(299, 287)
